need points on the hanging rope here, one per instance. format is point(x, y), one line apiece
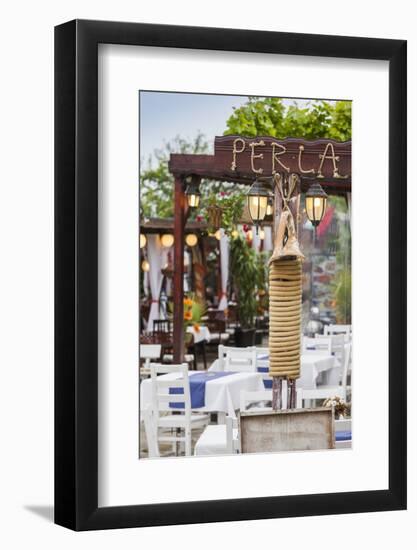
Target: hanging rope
point(285, 293)
point(285, 290)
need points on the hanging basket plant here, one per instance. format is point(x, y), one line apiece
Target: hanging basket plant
point(214, 217)
point(224, 210)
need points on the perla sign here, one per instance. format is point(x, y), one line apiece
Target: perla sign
point(320, 158)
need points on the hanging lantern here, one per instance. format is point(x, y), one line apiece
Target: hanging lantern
point(193, 194)
point(191, 239)
point(269, 208)
point(145, 265)
point(142, 240)
point(316, 201)
point(167, 240)
point(257, 200)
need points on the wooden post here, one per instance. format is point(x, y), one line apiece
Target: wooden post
point(178, 290)
point(276, 393)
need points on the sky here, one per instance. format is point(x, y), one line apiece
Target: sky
point(165, 115)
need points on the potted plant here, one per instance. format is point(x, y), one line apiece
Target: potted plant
point(243, 267)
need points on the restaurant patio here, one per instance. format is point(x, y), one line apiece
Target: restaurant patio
point(245, 307)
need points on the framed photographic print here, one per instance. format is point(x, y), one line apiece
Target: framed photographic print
point(230, 275)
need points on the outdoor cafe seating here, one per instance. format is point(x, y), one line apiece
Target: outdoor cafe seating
point(186, 412)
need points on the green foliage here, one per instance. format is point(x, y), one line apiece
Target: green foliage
point(270, 117)
point(343, 281)
point(231, 204)
point(343, 296)
point(262, 281)
point(198, 309)
point(156, 182)
point(244, 273)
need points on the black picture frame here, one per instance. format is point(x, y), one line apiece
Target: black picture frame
point(76, 271)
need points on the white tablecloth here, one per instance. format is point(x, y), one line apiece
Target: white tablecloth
point(312, 364)
point(222, 394)
point(200, 335)
point(213, 441)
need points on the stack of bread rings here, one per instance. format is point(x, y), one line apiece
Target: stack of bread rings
point(285, 290)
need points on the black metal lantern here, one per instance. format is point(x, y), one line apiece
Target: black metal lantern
point(193, 194)
point(316, 201)
point(257, 200)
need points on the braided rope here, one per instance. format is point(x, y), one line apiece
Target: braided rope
point(285, 290)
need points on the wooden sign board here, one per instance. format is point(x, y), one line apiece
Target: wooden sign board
point(240, 159)
point(264, 156)
point(287, 430)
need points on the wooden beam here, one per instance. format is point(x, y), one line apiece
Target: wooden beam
point(178, 291)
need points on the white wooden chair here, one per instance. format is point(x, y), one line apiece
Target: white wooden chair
point(218, 439)
point(326, 391)
point(317, 345)
point(240, 360)
point(338, 351)
point(183, 421)
point(148, 352)
point(346, 330)
point(152, 443)
point(223, 351)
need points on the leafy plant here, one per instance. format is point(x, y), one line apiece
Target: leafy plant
point(194, 310)
point(243, 267)
point(343, 280)
point(157, 183)
point(231, 204)
point(262, 282)
point(343, 296)
point(270, 117)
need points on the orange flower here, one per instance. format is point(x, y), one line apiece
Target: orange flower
point(188, 315)
point(196, 327)
point(188, 302)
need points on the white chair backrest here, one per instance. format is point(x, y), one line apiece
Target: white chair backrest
point(161, 396)
point(337, 345)
point(243, 360)
point(149, 351)
point(346, 330)
point(317, 345)
point(225, 350)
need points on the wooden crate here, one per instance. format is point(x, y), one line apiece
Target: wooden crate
point(286, 430)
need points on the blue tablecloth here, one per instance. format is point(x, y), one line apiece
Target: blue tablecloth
point(344, 435)
point(198, 383)
point(267, 383)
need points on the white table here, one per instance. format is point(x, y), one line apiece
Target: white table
point(312, 364)
point(213, 441)
point(222, 395)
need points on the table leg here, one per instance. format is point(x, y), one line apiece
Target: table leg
point(221, 418)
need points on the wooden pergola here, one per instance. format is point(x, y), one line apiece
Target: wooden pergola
point(240, 160)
